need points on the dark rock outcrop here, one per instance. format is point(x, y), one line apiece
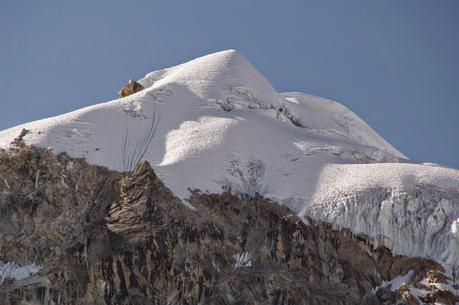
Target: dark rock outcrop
point(107, 238)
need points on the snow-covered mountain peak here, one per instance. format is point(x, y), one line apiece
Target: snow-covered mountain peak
point(215, 123)
point(215, 76)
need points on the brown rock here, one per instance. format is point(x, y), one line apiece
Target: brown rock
point(131, 88)
point(108, 238)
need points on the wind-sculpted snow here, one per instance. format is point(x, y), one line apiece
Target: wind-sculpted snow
point(215, 123)
point(330, 119)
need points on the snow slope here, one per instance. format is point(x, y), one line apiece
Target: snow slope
point(216, 123)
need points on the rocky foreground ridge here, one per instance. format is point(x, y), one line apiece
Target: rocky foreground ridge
point(105, 237)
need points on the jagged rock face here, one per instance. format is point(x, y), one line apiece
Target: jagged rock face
point(104, 237)
point(131, 88)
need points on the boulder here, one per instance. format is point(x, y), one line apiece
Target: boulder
point(131, 88)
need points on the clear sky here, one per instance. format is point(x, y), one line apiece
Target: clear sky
point(394, 63)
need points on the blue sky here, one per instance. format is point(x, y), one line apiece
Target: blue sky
point(394, 63)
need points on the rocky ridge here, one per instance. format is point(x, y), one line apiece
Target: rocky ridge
point(105, 237)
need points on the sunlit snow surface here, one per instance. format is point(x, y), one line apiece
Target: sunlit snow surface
point(216, 123)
